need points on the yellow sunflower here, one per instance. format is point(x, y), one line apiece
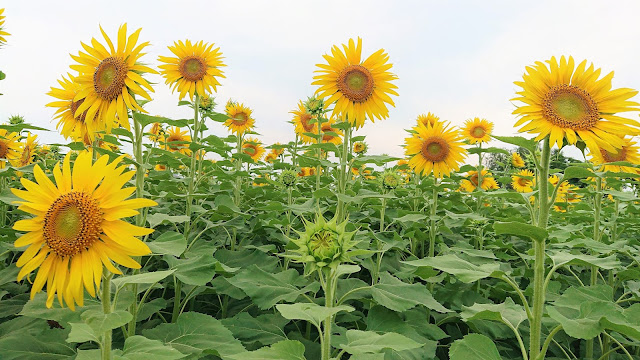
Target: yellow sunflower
point(9, 147)
point(359, 89)
point(523, 181)
point(566, 195)
point(253, 147)
point(429, 119)
point(70, 125)
point(155, 132)
point(516, 160)
point(271, 157)
point(175, 140)
point(331, 134)
point(240, 120)
point(569, 102)
point(436, 149)
point(77, 227)
point(301, 121)
point(2, 32)
point(470, 184)
point(360, 147)
point(196, 68)
point(110, 78)
point(277, 149)
point(628, 153)
point(477, 131)
point(307, 171)
point(27, 151)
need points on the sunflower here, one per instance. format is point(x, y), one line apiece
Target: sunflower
point(568, 102)
point(77, 227)
point(523, 181)
point(307, 171)
point(27, 151)
point(2, 32)
point(359, 89)
point(155, 132)
point(271, 157)
point(301, 120)
point(253, 147)
point(477, 131)
point(436, 149)
point(360, 147)
point(194, 70)
point(70, 125)
point(160, 167)
point(331, 134)
point(470, 184)
point(175, 140)
point(516, 160)
point(429, 119)
point(628, 153)
point(9, 147)
point(110, 78)
point(277, 149)
point(566, 195)
point(240, 120)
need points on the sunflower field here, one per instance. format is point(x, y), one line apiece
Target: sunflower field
point(147, 237)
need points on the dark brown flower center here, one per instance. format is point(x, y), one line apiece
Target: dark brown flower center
point(240, 119)
point(355, 82)
point(620, 155)
point(109, 77)
point(474, 179)
point(250, 149)
point(326, 127)
point(304, 120)
point(173, 142)
point(192, 68)
point(72, 223)
point(524, 182)
point(570, 107)
point(4, 149)
point(435, 149)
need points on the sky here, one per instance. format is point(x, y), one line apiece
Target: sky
point(457, 59)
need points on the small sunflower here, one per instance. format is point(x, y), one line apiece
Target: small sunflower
point(307, 171)
point(2, 32)
point(359, 89)
point(523, 181)
point(516, 160)
point(628, 153)
point(436, 149)
point(155, 132)
point(302, 121)
point(360, 147)
point(568, 102)
point(110, 78)
point(77, 227)
point(27, 151)
point(429, 119)
point(175, 140)
point(477, 131)
point(240, 120)
point(277, 149)
point(331, 134)
point(69, 124)
point(253, 147)
point(471, 183)
point(271, 157)
point(196, 68)
point(9, 147)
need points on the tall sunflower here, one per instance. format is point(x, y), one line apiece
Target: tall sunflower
point(240, 120)
point(628, 153)
point(69, 124)
point(471, 183)
point(516, 160)
point(77, 227)
point(175, 140)
point(436, 149)
point(302, 121)
point(359, 89)
point(9, 147)
point(253, 147)
point(477, 131)
point(196, 68)
point(331, 134)
point(2, 32)
point(428, 119)
point(110, 78)
point(569, 102)
point(26, 152)
point(523, 181)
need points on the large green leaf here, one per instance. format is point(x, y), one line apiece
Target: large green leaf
point(397, 295)
point(528, 144)
point(169, 243)
point(266, 329)
point(49, 345)
point(508, 312)
point(146, 278)
point(474, 347)
point(197, 334)
point(140, 348)
point(564, 258)
point(283, 350)
point(460, 268)
point(366, 342)
point(310, 312)
point(521, 229)
point(198, 270)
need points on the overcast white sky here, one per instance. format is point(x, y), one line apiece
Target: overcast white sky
point(457, 59)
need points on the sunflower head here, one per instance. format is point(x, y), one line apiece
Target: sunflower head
point(435, 149)
point(627, 153)
point(307, 171)
point(271, 157)
point(194, 70)
point(390, 179)
point(253, 148)
point(477, 131)
point(471, 182)
point(77, 227)
point(331, 134)
point(3, 33)
point(156, 132)
point(359, 89)
point(360, 148)
point(305, 123)
point(427, 120)
point(517, 161)
point(9, 147)
point(569, 102)
point(239, 118)
point(288, 178)
point(27, 151)
point(523, 181)
point(176, 140)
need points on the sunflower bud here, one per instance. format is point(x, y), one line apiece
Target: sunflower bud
point(288, 178)
point(206, 103)
point(390, 180)
point(314, 105)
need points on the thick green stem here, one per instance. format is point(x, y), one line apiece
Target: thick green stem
point(606, 343)
point(376, 276)
point(344, 171)
point(432, 228)
point(106, 308)
point(329, 291)
point(319, 154)
point(294, 154)
point(236, 190)
point(597, 200)
point(539, 251)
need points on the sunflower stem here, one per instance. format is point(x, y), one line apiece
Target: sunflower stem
point(294, 154)
point(329, 301)
point(105, 298)
point(539, 251)
point(340, 210)
point(379, 244)
point(236, 189)
point(596, 237)
point(319, 153)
